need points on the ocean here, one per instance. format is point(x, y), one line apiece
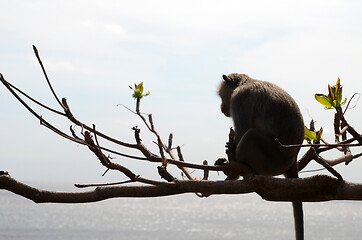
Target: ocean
point(177, 218)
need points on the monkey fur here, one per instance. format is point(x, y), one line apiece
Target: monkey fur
point(263, 112)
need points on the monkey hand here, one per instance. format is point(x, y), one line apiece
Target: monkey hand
point(230, 147)
point(222, 162)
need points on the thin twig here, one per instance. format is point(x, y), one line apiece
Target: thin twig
point(101, 184)
point(170, 138)
point(341, 144)
point(351, 130)
point(206, 172)
point(179, 153)
point(151, 128)
point(35, 101)
point(111, 165)
point(325, 164)
point(71, 117)
point(41, 119)
point(314, 170)
point(347, 107)
point(331, 146)
point(46, 76)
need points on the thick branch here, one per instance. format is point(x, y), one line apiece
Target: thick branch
point(316, 188)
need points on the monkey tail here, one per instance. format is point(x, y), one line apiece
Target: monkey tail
point(297, 206)
point(298, 220)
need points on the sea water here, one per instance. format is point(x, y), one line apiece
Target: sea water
point(177, 218)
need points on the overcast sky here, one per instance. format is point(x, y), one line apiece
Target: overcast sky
point(93, 50)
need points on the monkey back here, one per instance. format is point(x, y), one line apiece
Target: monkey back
point(268, 108)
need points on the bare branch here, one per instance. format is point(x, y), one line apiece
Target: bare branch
point(111, 165)
point(351, 130)
point(342, 159)
point(327, 147)
point(46, 76)
point(35, 101)
point(101, 184)
point(347, 107)
point(150, 126)
point(325, 164)
point(179, 153)
point(206, 172)
point(333, 145)
point(71, 117)
point(170, 138)
point(165, 174)
point(42, 121)
point(305, 159)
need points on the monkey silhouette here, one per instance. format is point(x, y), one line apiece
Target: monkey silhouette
point(262, 112)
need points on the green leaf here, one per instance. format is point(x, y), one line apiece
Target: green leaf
point(319, 135)
point(309, 136)
point(323, 99)
point(344, 101)
point(331, 91)
point(139, 87)
point(138, 91)
point(339, 94)
point(335, 104)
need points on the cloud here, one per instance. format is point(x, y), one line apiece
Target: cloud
point(104, 30)
point(116, 30)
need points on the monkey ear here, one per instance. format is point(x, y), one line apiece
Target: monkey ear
point(229, 81)
point(226, 78)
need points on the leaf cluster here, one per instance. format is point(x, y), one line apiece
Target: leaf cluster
point(138, 91)
point(334, 97)
point(311, 136)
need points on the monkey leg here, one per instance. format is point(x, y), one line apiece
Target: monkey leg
point(260, 152)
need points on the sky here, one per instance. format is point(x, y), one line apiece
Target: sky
point(93, 50)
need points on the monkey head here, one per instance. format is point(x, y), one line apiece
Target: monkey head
point(226, 89)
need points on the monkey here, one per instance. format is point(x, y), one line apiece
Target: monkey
point(261, 113)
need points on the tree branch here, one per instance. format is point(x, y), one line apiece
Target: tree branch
point(46, 76)
point(313, 189)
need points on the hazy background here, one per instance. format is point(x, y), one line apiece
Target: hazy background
point(93, 50)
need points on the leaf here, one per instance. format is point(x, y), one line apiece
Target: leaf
point(335, 104)
point(344, 101)
point(138, 91)
point(309, 135)
point(319, 135)
point(331, 94)
point(338, 84)
point(339, 94)
point(139, 87)
point(323, 99)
